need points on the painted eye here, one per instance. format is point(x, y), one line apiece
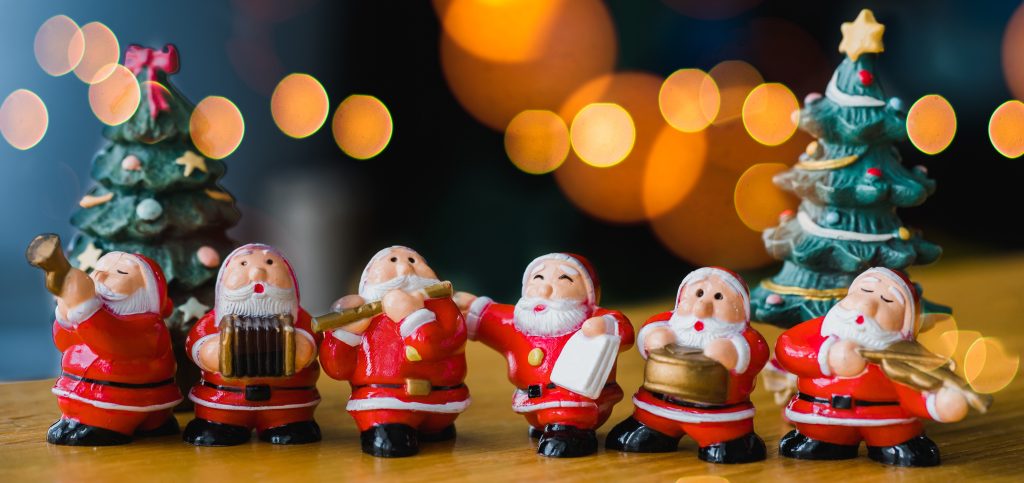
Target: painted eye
point(885, 299)
point(122, 273)
point(862, 289)
point(394, 259)
point(411, 260)
point(700, 292)
point(565, 277)
point(270, 262)
point(538, 277)
point(718, 296)
point(244, 263)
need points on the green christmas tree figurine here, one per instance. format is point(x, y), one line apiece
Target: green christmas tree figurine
point(159, 197)
point(851, 180)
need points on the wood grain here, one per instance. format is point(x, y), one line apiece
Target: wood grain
point(493, 445)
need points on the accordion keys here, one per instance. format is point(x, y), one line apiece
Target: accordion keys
point(257, 346)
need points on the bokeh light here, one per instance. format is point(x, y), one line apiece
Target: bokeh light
point(59, 45)
point(735, 79)
point(23, 119)
point(768, 114)
point(299, 105)
point(505, 31)
point(216, 127)
point(711, 10)
point(1006, 129)
point(1013, 53)
point(939, 334)
point(961, 341)
point(758, 201)
point(362, 126)
point(689, 100)
point(989, 366)
point(115, 99)
point(602, 134)
point(931, 124)
point(537, 141)
point(675, 164)
point(102, 52)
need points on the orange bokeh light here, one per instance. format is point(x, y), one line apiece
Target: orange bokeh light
point(23, 119)
point(689, 100)
point(988, 366)
point(115, 99)
point(59, 45)
point(362, 126)
point(735, 79)
point(675, 164)
point(505, 30)
point(299, 105)
point(102, 52)
point(602, 134)
point(768, 114)
point(931, 124)
point(1006, 129)
point(939, 334)
point(216, 127)
point(537, 141)
point(758, 201)
point(1013, 53)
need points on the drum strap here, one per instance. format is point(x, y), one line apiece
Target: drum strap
point(843, 402)
point(125, 385)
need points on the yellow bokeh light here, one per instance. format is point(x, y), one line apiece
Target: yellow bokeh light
point(537, 141)
point(931, 124)
point(216, 127)
point(939, 334)
point(768, 114)
point(735, 79)
point(602, 134)
point(988, 366)
point(299, 105)
point(362, 126)
point(504, 30)
point(689, 100)
point(758, 201)
point(115, 99)
point(23, 119)
point(1006, 129)
point(59, 45)
point(675, 164)
point(102, 52)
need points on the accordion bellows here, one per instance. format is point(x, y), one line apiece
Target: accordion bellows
point(257, 346)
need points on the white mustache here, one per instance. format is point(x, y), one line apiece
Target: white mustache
point(245, 292)
point(406, 283)
point(108, 294)
point(552, 304)
point(842, 323)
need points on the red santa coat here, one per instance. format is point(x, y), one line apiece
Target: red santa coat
point(874, 399)
point(428, 344)
point(753, 354)
point(119, 362)
point(492, 324)
point(295, 391)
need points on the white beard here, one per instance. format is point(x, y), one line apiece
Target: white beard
point(688, 336)
point(244, 301)
point(842, 323)
point(405, 283)
point(124, 304)
point(560, 317)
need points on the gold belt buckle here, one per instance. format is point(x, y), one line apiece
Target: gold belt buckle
point(417, 387)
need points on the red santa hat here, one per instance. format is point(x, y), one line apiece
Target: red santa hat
point(377, 256)
point(580, 263)
point(911, 299)
point(732, 279)
point(245, 250)
point(156, 284)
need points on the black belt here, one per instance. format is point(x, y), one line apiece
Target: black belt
point(255, 392)
point(534, 391)
point(688, 404)
point(125, 385)
point(843, 402)
point(402, 386)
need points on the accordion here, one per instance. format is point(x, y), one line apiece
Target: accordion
point(257, 346)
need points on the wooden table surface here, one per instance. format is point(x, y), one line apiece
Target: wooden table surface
point(492, 443)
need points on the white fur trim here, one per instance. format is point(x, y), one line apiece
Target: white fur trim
point(376, 403)
point(233, 407)
point(731, 280)
point(910, 314)
point(929, 402)
point(79, 313)
point(611, 324)
point(529, 408)
point(473, 315)
point(808, 418)
point(571, 260)
point(347, 337)
point(809, 226)
point(415, 320)
point(377, 256)
point(823, 351)
point(742, 352)
point(199, 345)
point(119, 407)
point(849, 100)
point(693, 417)
point(642, 336)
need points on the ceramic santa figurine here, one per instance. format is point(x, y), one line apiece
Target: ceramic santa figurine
point(271, 384)
point(843, 399)
point(407, 364)
point(117, 371)
point(561, 349)
point(712, 315)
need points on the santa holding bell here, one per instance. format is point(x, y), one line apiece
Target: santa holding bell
point(117, 371)
point(406, 363)
point(257, 353)
point(843, 398)
point(561, 349)
point(711, 315)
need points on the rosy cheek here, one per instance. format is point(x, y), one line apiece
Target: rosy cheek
point(235, 279)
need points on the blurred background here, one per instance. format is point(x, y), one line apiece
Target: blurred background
point(456, 169)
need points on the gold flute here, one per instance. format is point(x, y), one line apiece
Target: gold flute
point(336, 320)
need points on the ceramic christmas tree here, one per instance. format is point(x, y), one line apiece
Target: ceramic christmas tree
point(158, 196)
point(851, 181)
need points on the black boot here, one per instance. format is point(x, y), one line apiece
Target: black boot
point(201, 432)
point(301, 432)
point(390, 441)
point(563, 441)
point(535, 433)
point(916, 451)
point(796, 445)
point(448, 433)
point(169, 427)
point(745, 449)
point(69, 432)
point(632, 436)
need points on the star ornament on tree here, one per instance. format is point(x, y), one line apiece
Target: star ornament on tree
point(192, 309)
point(88, 258)
point(192, 161)
point(862, 36)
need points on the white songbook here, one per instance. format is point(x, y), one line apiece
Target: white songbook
point(585, 363)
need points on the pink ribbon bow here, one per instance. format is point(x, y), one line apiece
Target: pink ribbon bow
point(137, 58)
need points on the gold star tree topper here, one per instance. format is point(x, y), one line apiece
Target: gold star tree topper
point(862, 36)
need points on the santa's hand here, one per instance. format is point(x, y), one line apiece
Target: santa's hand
point(844, 360)
point(950, 405)
point(398, 304)
point(723, 351)
point(347, 302)
point(209, 355)
point(659, 337)
point(463, 300)
point(595, 326)
point(305, 352)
